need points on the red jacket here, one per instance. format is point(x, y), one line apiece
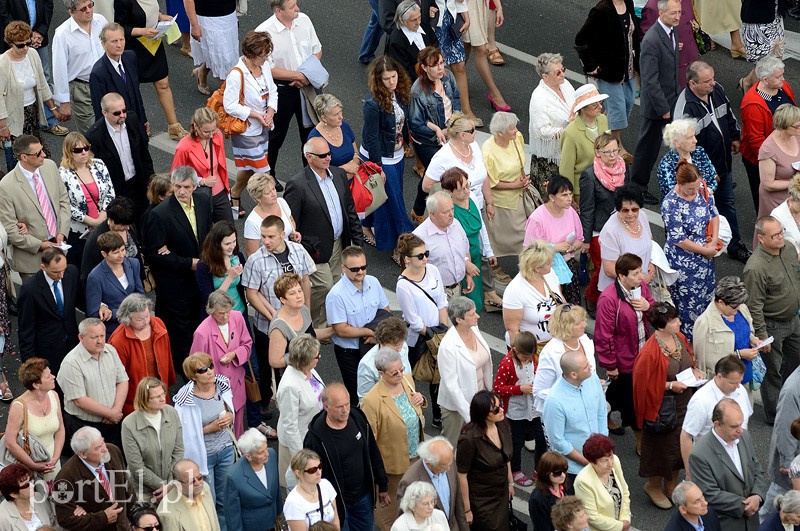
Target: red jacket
point(756, 122)
point(616, 338)
point(505, 381)
point(189, 152)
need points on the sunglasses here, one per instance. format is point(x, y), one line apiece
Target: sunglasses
point(469, 131)
point(357, 268)
point(155, 527)
point(119, 112)
point(37, 154)
point(84, 149)
point(495, 410)
point(420, 256)
point(21, 45)
point(558, 472)
point(321, 155)
point(86, 8)
point(203, 370)
point(314, 469)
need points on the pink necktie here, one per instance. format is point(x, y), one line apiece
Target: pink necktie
point(47, 208)
point(104, 482)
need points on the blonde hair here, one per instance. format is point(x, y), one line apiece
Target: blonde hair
point(194, 362)
point(201, 117)
point(794, 188)
point(258, 184)
point(70, 141)
point(458, 123)
point(142, 396)
point(785, 116)
point(564, 319)
point(538, 254)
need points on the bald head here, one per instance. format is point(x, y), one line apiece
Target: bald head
point(188, 475)
point(575, 367)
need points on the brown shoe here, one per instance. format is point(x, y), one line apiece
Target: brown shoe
point(496, 58)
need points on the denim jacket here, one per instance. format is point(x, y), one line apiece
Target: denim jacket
point(427, 107)
point(378, 135)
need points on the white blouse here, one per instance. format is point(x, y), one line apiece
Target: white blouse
point(445, 158)
point(259, 93)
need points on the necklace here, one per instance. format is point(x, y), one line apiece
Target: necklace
point(471, 163)
point(576, 349)
point(313, 494)
point(676, 353)
point(638, 227)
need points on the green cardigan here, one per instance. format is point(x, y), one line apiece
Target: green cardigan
point(577, 151)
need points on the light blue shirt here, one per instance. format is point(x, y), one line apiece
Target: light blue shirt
point(367, 373)
point(699, 527)
point(32, 12)
point(94, 470)
point(332, 201)
point(442, 487)
point(346, 304)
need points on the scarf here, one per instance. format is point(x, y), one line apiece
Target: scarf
point(611, 178)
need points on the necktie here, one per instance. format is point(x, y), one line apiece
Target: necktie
point(59, 298)
point(122, 73)
point(47, 208)
point(104, 482)
point(672, 38)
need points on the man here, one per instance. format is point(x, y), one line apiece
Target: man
point(693, 510)
point(772, 279)
point(435, 466)
point(91, 492)
point(94, 383)
point(120, 141)
point(191, 506)
point(294, 41)
point(174, 234)
point(783, 446)
point(658, 64)
point(352, 304)
point(351, 460)
point(322, 205)
point(719, 135)
point(117, 72)
point(34, 194)
point(447, 243)
point(727, 383)
point(724, 466)
point(76, 48)
point(391, 333)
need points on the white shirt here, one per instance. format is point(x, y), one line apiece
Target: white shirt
point(414, 37)
point(732, 450)
point(536, 307)
point(291, 46)
point(417, 308)
point(670, 31)
point(697, 421)
point(50, 282)
point(74, 53)
point(123, 145)
point(445, 158)
point(549, 369)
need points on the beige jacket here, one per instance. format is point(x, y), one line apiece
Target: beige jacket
point(713, 340)
point(11, 92)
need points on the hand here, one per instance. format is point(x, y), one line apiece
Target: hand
point(523, 182)
point(102, 216)
point(295, 236)
point(433, 11)
point(666, 116)
point(163, 250)
point(58, 116)
point(79, 511)
point(22, 228)
point(417, 399)
point(563, 247)
point(194, 263)
point(526, 389)
point(441, 137)
point(147, 128)
point(626, 525)
point(60, 239)
point(584, 248)
point(270, 115)
point(640, 304)
point(5, 133)
point(470, 286)
point(235, 271)
point(104, 313)
point(36, 39)
point(751, 505)
point(158, 494)
point(612, 375)
point(472, 270)
point(490, 211)
point(511, 491)
point(698, 375)
point(45, 244)
point(66, 110)
point(465, 27)
point(593, 72)
point(116, 416)
point(748, 353)
point(678, 387)
point(468, 517)
point(499, 18)
point(225, 421)
point(164, 18)
point(385, 499)
point(651, 274)
point(766, 349)
point(736, 147)
point(210, 181)
point(784, 471)
point(196, 32)
point(112, 512)
point(369, 340)
point(492, 261)
point(227, 358)
point(148, 32)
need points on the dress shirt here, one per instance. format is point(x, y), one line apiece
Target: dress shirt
point(123, 145)
point(196, 508)
point(697, 421)
point(190, 215)
point(116, 65)
point(700, 526)
point(732, 450)
point(29, 177)
point(50, 282)
point(31, 12)
point(442, 486)
point(333, 203)
point(291, 46)
point(347, 304)
point(670, 31)
point(82, 375)
point(414, 37)
point(449, 249)
point(74, 54)
point(94, 469)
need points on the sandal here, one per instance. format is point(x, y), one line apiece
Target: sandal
point(492, 306)
point(186, 53)
point(522, 480)
point(202, 89)
point(267, 430)
point(6, 394)
point(235, 201)
point(500, 275)
point(496, 58)
point(369, 237)
point(396, 258)
point(176, 131)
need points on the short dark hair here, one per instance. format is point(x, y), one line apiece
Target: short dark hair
point(140, 509)
point(30, 372)
point(273, 221)
point(391, 330)
point(627, 193)
point(626, 263)
point(121, 211)
point(728, 364)
point(10, 478)
point(110, 241)
point(597, 446)
point(52, 254)
point(549, 462)
point(452, 178)
point(557, 184)
point(352, 251)
point(662, 313)
point(23, 143)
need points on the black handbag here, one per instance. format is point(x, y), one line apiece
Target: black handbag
point(515, 523)
point(455, 28)
point(667, 419)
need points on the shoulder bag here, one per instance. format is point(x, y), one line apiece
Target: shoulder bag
point(427, 368)
point(31, 444)
point(368, 189)
point(531, 198)
point(667, 419)
point(228, 124)
point(251, 387)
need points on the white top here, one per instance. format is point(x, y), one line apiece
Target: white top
point(784, 215)
point(23, 71)
point(291, 46)
point(615, 241)
point(549, 369)
point(74, 54)
point(536, 307)
point(252, 225)
point(262, 476)
point(123, 145)
point(459, 373)
point(418, 310)
point(259, 93)
point(296, 507)
point(445, 158)
point(549, 116)
point(435, 522)
point(454, 6)
point(298, 403)
point(123, 280)
point(154, 421)
point(697, 421)
point(733, 452)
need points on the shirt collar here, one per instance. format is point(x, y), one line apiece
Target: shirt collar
point(412, 35)
point(430, 472)
point(734, 444)
point(317, 175)
point(431, 227)
point(666, 28)
point(115, 64)
point(112, 131)
point(189, 207)
point(90, 466)
point(351, 288)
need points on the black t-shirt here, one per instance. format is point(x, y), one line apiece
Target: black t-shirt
point(214, 8)
point(283, 259)
point(348, 443)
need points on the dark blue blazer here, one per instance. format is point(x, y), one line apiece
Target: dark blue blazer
point(710, 522)
point(103, 286)
point(105, 79)
point(772, 522)
point(248, 505)
point(379, 131)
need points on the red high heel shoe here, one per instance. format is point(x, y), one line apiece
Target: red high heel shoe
point(496, 107)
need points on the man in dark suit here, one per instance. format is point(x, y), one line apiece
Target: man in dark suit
point(693, 510)
point(658, 64)
point(46, 304)
point(173, 236)
point(322, 206)
point(117, 139)
point(725, 467)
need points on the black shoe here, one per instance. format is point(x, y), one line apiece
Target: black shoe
point(617, 431)
point(740, 254)
point(278, 186)
point(794, 12)
point(436, 423)
point(649, 199)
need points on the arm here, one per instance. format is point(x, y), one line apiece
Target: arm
point(233, 501)
point(687, 444)
point(463, 485)
point(505, 379)
point(512, 319)
point(260, 303)
point(305, 282)
point(94, 295)
point(649, 65)
point(766, 168)
point(230, 100)
point(756, 285)
point(205, 283)
point(251, 246)
point(277, 349)
point(156, 237)
point(371, 134)
point(408, 307)
point(604, 330)
point(449, 365)
point(288, 398)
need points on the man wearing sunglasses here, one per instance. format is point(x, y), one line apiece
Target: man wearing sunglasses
point(191, 506)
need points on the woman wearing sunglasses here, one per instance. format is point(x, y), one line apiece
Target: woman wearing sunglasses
point(21, 510)
point(314, 498)
point(551, 486)
point(143, 517)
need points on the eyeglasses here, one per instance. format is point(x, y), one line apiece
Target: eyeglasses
point(495, 410)
point(357, 268)
point(469, 131)
point(119, 112)
point(196, 479)
point(321, 155)
point(561, 70)
point(777, 235)
point(314, 469)
point(154, 527)
point(84, 149)
point(86, 8)
point(318, 356)
point(634, 210)
point(611, 152)
point(558, 472)
point(203, 370)
point(396, 373)
point(37, 154)
point(420, 256)
point(21, 45)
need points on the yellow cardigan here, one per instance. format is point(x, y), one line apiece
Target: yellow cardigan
point(577, 151)
point(598, 502)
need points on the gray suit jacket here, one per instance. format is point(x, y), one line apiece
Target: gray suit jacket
point(658, 65)
point(783, 447)
point(714, 472)
point(416, 472)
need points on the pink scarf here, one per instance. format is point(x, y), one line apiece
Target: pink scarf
point(611, 178)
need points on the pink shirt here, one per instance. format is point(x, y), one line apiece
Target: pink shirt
point(542, 225)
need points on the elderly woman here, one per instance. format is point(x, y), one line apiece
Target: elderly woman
point(152, 439)
point(549, 111)
point(679, 137)
point(775, 157)
point(577, 141)
point(314, 498)
point(657, 393)
point(408, 38)
point(206, 411)
point(121, 218)
point(787, 514)
point(601, 486)
point(221, 265)
point(262, 188)
point(551, 486)
point(687, 212)
point(298, 398)
point(393, 407)
point(465, 366)
point(22, 509)
point(258, 109)
point(762, 32)
point(390, 333)
point(557, 223)
point(336, 132)
point(483, 462)
point(419, 511)
point(569, 515)
point(223, 335)
point(142, 344)
point(252, 498)
point(788, 213)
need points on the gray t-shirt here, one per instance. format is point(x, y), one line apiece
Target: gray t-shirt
point(210, 409)
point(288, 333)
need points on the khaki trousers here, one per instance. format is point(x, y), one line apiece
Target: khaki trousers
point(321, 283)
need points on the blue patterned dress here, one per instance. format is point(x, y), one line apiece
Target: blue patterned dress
point(669, 163)
point(694, 288)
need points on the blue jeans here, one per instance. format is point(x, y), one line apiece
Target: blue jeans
point(47, 66)
point(360, 515)
point(391, 219)
point(218, 465)
point(372, 35)
point(726, 204)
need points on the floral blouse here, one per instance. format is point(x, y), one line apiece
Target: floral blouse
point(78, 200)
point(669, 163)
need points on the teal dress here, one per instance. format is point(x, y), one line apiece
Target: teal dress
point(472, 223)
point(233, 289)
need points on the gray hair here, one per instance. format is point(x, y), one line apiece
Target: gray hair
point(182, 174)
point(325, 103)
point(419, 490)
point(386, 355)
point(277, 4)
point(84, 438)
point(218, 299)
point(83, 326)
point(731, 291)
point(432, 203)
point(502, 121)
point(789, 502)
point(424, 450)
point(251, 441)
point(694, 69)
point(302, 349)
point(405, 9)
point(662, 5)
point(133, 303)
point(72, 5)
point(458, 307)
point(767, 65)
point(111, 26)
point(545, 62)
point(679, 493)
point(677, 130)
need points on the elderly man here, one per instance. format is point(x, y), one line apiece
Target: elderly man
point(322, 205)
point(719, 134)
point(772, 279)
point(447, 243)
point(351, 460)
point(693, 510)
point(435, 466)
point(190, 507)
point(76, 48)
point(390, 333)
point(784, 446)
point(92, 491)
point(724, 466)
point(353, 305)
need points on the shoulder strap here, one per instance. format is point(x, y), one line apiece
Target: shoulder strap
point(241, 89)
point(26, 445)
point(553, 295)
point(421, 289)
point(319, 499)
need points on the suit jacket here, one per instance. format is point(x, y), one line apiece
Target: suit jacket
point(18, 202)
point(598, 502)
point(405, 53)
point(104, 287)
point(306, 202)
point(104, 79)
point(249, 506)
point(76, 479)
point(43, 332)
point(714, 472)
point(679, 523)
point(175, 516)
point(11, 10)
point(150, 456)
point(417, 472)
point(658, 65)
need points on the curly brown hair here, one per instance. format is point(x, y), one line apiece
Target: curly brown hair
point(379, 91)
point(256, 44)
point(17, 31)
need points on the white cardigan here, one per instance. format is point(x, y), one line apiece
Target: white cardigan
point(12, 94)
point(549, 115)
point(784, 215)
point(459, 374)
point(252, 96)
point(298, 404)
point(549, 369)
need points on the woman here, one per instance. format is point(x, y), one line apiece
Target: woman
point(337, 133)
point(775, 158)
point(662, 357)
point(224, 336)
point(723, 17)
point(206, 411)
point(41, 405)
point(465, 366)
point(143, 517)
point(204, 150)
point(483, 461)
point(419, 511)
point(303, 503)
point(152, 439)
point(90, 191)
point(551, 486)
point(121, 219)
point(788, 213)
point(762, 32)
point(383, 141)
point(679, 137)
point(598, 184)
point(569, 515)
point(557, 223)
point(549, 111)
point(787, 515)
point(394, 407)
point(686, 213)
point(408, 38)
point(158, 189)
point(687, 46)
point(262, 188)
point(601, 486)
point(257, 109)
point(577, 141)
point(113, 279)
point(252, 497)
point(476, 40)
point(22, 509)
point(214, 30)
point(139, 18)
point(298, 399)
point(221, 265)
point(142, 344)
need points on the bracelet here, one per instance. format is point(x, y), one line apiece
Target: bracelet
point(670, 386)
point(738, 355)
point(53, 108)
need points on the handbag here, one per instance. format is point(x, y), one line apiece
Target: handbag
point(427, 368)
point(531, 198)
point(31, 444)
point(515, 523)
point(709, 229)
point(702, 38)
point(659, 288)
point(251, 387)
point(667, 419)
point(368, 189)
point(229, 125)
point(148, 281)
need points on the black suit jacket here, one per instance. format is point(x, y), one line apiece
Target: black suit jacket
point(658, 66)
point(105, 79)
point(11, 10)
point(398, 48)
point(387, 9)
point(310, 212)
point(679, 523)
point(43, 332)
